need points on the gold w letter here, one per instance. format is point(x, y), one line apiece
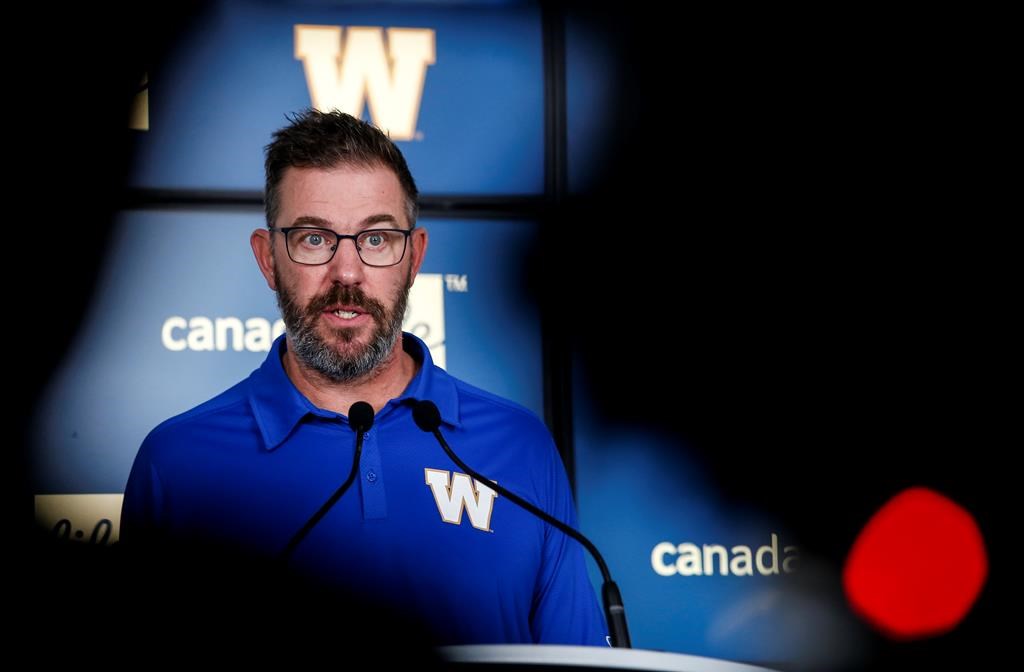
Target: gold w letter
point(391, 77)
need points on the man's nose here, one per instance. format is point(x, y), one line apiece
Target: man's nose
point(346, 267)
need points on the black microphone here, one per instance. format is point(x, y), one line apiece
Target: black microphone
point(360, 418)
point(428, 418)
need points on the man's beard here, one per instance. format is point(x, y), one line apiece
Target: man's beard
point(310, 347)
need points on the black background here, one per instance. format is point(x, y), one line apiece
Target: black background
point(830, 316)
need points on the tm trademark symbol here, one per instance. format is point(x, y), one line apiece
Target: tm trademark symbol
point(454, 282)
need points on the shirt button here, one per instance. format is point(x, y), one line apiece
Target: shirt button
point(371, 476)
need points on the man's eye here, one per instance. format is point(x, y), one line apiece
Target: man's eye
point(374, 240)
point(313, 239)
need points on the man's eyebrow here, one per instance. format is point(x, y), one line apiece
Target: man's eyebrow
point(377, 219)
point(310, 220)
point(320, 222)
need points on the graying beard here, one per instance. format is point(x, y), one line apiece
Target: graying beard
point(321, 358)
point(317, 355)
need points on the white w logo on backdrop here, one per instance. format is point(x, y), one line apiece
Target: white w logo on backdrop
point(391, 77)
point(463, 493)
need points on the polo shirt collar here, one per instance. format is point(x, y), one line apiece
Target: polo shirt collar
point(278, 406)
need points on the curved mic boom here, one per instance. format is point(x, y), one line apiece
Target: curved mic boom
point(360, 418)
point(428, 418)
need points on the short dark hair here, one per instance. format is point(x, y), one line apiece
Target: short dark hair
point(315, 139)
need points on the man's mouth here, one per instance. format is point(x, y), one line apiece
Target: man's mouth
point(345, 312)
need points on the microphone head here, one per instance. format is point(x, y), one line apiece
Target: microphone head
point(426, 415)
point(360, 416)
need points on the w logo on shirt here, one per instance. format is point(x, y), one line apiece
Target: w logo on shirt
point(455, 493)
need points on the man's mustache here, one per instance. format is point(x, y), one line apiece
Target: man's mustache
point(348, 296)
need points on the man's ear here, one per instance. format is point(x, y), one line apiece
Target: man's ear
point(418, 241)
point(263, 248)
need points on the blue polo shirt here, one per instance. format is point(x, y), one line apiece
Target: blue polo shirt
point(249, 467)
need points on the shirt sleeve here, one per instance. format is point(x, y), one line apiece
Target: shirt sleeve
point(565, 606)
point(143, 498)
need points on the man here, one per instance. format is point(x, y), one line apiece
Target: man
point(251, 466)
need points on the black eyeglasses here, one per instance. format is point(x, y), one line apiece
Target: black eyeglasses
point(313, 246)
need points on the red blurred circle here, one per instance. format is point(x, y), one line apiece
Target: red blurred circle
point(917, 567)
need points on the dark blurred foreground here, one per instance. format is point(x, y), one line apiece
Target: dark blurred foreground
point(186, 605)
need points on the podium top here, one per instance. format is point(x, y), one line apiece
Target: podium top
point(591, 657)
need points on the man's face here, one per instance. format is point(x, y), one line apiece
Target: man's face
point(343, 317)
